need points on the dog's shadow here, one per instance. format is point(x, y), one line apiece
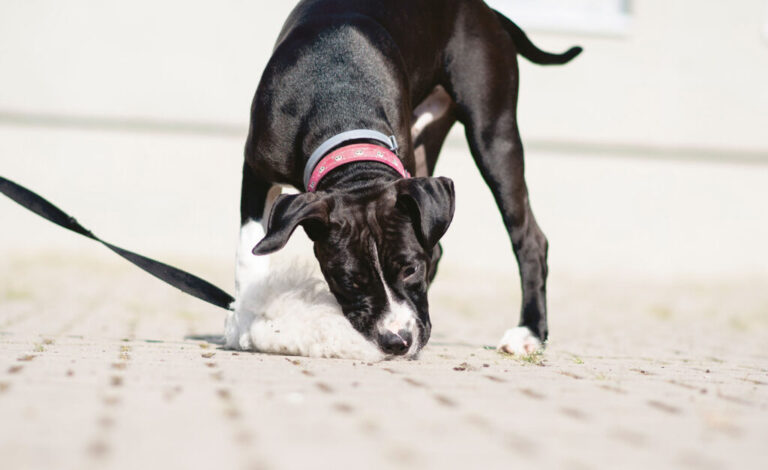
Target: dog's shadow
point(218, 340)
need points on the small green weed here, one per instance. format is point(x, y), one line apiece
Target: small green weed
point(12, 294)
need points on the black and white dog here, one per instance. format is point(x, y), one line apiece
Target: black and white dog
point(358, 96)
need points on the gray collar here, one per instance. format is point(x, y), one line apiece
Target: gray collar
point(339, 139)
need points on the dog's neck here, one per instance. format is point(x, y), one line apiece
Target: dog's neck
point(357, 176)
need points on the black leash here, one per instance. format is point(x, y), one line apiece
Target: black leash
point(179, 279)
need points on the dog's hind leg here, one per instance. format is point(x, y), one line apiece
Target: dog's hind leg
point(256, 199)
point(483, 79)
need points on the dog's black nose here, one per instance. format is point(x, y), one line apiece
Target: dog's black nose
point(396, 344)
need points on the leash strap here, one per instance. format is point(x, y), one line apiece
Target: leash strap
point(179, 279)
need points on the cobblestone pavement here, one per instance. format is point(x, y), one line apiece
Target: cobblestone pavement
point(658, 312)
point(102, 367)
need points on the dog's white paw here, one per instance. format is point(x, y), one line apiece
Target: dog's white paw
point(237, 329)
point(520, 341)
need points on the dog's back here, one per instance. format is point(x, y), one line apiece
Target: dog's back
point(345, 64)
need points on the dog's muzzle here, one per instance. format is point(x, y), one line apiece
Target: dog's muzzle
point(395, 344)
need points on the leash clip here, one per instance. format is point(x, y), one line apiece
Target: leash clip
point(393, 144)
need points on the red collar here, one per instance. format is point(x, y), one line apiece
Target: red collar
point(355, 153)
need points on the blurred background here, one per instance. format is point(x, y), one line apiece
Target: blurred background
point(647, 156)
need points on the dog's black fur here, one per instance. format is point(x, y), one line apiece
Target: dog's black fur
point(352, 64)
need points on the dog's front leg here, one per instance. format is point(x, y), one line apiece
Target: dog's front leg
point(256, 200)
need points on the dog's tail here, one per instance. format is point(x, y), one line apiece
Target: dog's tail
point(528, 49)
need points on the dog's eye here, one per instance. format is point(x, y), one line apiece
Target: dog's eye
point(354, 281)
point(410, 271)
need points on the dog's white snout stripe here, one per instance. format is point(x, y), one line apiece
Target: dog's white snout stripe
point(399, 315)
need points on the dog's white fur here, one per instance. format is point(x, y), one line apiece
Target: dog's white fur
point(292, 312)
point(284, 306)
point(249, 269)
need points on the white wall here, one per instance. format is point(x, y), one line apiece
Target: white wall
point(689, 74)
point(165, 60)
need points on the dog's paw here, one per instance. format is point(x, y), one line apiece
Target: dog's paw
point(520, 341)
point(237, 333)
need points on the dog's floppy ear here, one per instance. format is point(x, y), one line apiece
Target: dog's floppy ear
point(430, 202)
point(310, 210)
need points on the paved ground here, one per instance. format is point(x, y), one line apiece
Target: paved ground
point(659, 317)
point(119, 372)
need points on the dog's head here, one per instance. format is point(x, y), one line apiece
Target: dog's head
point(378, 252)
